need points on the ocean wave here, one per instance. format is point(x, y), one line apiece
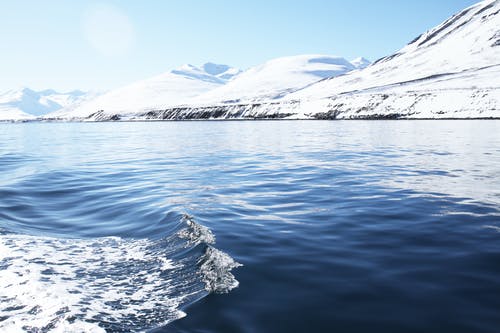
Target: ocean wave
point(50, 284)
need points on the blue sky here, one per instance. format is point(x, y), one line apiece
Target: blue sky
point(101, 45)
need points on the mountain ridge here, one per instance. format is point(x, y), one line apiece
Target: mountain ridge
point(213, 84)
point(449, 71)
point(276, 78)
point(173, 87)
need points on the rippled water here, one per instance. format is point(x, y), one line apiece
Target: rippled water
point(265, 226)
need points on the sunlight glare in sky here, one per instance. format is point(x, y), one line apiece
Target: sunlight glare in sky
point(108, 30)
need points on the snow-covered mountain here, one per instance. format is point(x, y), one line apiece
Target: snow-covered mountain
point(176, 87)
point(360, 62)
point(467, 42)
point(213, 84)
point(450, 71)
point(276, 78)
point(26, 103)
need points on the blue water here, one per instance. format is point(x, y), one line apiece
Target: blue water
point(264, 226)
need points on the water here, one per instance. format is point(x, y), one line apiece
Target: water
point(265, 226)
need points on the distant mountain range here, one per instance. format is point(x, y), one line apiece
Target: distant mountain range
point(182, 86)
point(276, 78)
point(25, 103)
point(175, 87)
point(450, 71)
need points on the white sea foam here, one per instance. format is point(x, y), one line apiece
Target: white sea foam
point(52, 284)
point(216, 270)
point(196, 233)
point(63, 285)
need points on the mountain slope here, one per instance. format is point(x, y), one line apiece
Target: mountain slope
point(467, 41)
point(26, 103)
point(172, 88)
point(277, 78)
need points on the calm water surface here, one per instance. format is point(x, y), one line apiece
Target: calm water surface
point(264, 226)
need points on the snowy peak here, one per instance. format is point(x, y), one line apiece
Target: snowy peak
point(195, 73)
point(483, 11)
point(36, 103)
point(209, 72)
point(214, 83)
point(276, 78)
point(470, 34)
point(176, 87)
point(464, 46)
point(360, 62)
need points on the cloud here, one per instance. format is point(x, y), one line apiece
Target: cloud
point(108, 30)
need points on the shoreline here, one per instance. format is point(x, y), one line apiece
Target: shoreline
point(238, 120)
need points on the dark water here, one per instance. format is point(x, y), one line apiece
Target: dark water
point(300, 226)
